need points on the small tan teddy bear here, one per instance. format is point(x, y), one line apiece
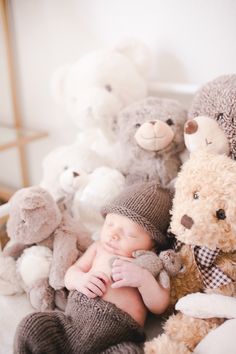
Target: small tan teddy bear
point(167, 264)
point(163, 266)
point(203, 220)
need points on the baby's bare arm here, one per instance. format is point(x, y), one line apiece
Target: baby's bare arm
point(155, 298)
point(79, 278)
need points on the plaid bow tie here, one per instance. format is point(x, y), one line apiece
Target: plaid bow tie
point(212, 276)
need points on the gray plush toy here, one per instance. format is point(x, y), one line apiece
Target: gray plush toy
point(212, 116)
point(37, 222)
point(163, 266)
point(151, 136)
point(167, 264)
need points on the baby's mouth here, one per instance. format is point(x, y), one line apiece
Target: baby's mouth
point(110, 247)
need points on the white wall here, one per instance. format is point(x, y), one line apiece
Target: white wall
point(192, 41)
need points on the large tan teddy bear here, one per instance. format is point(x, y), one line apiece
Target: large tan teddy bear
point(204, 223)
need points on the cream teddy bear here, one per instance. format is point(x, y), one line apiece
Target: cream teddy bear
point(203, 221)
point(212, 114)
point(96, 87)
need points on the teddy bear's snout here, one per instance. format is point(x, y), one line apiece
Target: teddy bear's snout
point(186, 221)
point(190, 127)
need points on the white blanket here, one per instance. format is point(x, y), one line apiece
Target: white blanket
point(12, 310)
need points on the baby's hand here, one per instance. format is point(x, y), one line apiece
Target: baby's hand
point(93, 284)
point(127, 274)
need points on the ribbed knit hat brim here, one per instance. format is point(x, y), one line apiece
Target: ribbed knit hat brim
point(148, 205)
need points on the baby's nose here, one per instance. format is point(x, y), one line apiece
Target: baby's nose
point(114, 236)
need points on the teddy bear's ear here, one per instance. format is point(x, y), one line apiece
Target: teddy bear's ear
point(137, 52)
point(58, 83)
point(32, 202)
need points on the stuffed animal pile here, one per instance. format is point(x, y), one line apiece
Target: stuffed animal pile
point(92, 91)
point(123, 136)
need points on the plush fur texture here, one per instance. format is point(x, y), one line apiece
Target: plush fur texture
point(167, 264)
point(94, 89)
point(101, 186)
point(151, 136)
point(36, 218)
point(203, 132)
point(205, 185)
point(100, 83)
point(217, 99)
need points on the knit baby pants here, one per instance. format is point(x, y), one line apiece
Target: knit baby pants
point(88, 326)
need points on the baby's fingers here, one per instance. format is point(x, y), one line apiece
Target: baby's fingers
point(102, 276)
point(88, 293)
point(99, 283)
point(119, 284)
point(94, 289)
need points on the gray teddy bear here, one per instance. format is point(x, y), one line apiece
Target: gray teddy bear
point(215, 104)
point(151, 136)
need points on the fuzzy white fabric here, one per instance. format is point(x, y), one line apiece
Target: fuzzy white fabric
point(34, 264)
point(219, 341)
point(12, 309)
point(103, 185)
point(207, 305)
point(92, 89)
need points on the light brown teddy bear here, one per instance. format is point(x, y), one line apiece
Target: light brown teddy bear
point(204, 222)
point(36, 225)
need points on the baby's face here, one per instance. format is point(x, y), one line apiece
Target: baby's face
point(122, 236)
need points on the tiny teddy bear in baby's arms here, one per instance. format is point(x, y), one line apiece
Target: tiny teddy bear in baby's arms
point(163, 266)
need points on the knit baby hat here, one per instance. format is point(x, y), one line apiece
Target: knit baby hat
point(147, 204)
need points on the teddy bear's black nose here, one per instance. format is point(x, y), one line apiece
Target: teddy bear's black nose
point(186, 221)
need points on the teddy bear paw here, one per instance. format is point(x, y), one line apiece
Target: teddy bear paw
point(41, 295)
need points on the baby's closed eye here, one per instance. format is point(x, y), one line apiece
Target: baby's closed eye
point(131, 235)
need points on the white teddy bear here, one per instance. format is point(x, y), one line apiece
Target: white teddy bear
point(63, 169)
point(101, 186)
point(96, 87)
point(67, 173)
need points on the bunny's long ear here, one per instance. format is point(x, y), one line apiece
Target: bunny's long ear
point(58, 83)
point(137, 52)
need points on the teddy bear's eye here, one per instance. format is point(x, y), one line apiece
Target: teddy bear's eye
point(108, 88)
point(195, 195)
point(66, 168)
point(137, 125)
point(169, 121)
point(220, 116)
point(220, 214)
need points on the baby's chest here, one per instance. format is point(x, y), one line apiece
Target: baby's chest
point(103, 262)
